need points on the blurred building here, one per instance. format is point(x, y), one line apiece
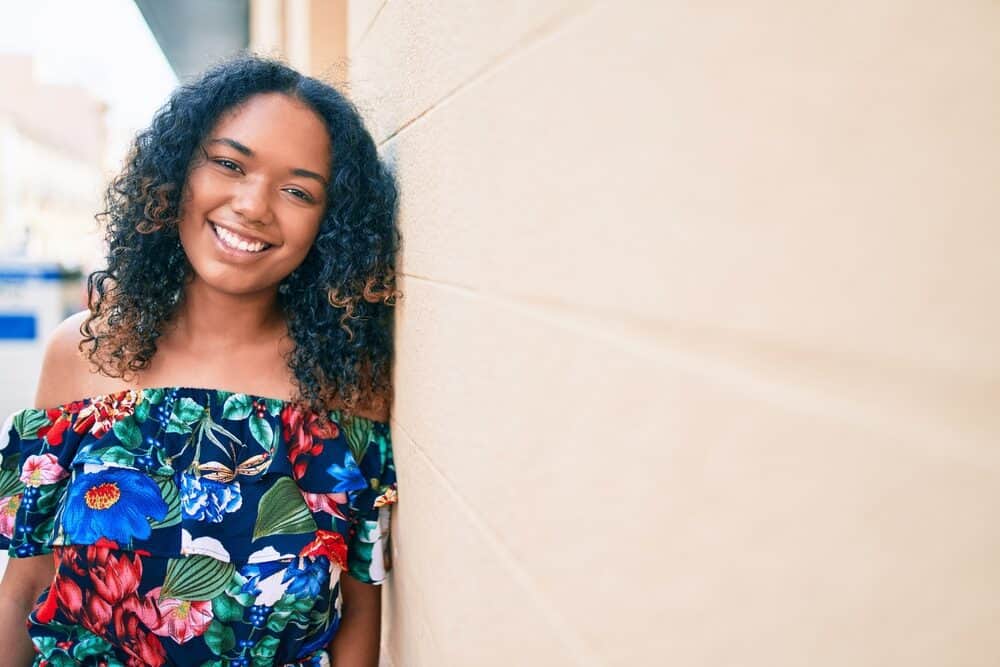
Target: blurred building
point(51, 158)
point(52, 140)
point(195, 33)
point(309, 34)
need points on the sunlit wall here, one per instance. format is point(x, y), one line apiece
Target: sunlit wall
point(698, 358)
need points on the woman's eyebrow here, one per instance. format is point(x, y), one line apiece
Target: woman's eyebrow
point(246, 150)
point(234, 144)
point(305, 173)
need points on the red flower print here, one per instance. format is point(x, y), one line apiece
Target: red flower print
point(115, 578)
point(301, 429)
point(143, 649)
point(329, 544)
point(96, 614)
point(326, 502)
point(98, 417)
point(113, 609)
point(63, 594)
point(181, 620)
point(59, 420)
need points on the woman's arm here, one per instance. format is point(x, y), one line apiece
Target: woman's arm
point(356, 643)
point(23, 582)
point(25, 578)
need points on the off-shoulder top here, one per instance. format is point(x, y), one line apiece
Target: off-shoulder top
point(194, 526)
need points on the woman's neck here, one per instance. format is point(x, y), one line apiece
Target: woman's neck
point(216, 320)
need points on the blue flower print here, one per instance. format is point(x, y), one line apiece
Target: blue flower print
point(257, 571)
point(309, 580)
point(348, 476)
point(219, 546)
point(317, 657)
point(207, 500)
point(114, 503)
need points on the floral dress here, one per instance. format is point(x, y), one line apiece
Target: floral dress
point(193, 526)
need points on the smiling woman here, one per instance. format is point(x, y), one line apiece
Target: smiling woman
point(209, 457)
point(248, 203)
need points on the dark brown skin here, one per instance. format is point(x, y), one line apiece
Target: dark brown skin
point(229, 332)
point(23, 581)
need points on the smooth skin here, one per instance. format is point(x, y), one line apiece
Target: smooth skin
point(261, 175)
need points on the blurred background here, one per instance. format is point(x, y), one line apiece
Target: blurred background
point(699, 357)
point(77, 80)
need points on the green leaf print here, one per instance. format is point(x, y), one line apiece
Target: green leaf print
point(317, 620)
point(89, 646)
point(282, 511)
point(116, 454)
point(172, 497)
point(60, 658)
point(358, 433)
point(44, 645)
point(48, 497)
point(128, 433)
point(226, 609)
point(10, 483)
point(367, 532)
point(175, 425)
point(220, 638)
point(141, 413)
point(273, 406)
point(383, 446)
point(264, 651)
point(360, 562)
point(290, 609)
point(153, 396)
point(189, 410)
point(186, 413)
point(262, 431)
point(296, 605)
point(27, 423)
point(237, 406)
point(196, 578)
point(278, 619)
point(45, 529)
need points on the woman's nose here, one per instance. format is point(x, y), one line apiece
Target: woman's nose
point(251, 201)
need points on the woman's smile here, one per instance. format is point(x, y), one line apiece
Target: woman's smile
point(255, 197)
point(238, 244)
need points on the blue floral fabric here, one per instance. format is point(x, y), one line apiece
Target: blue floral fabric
point(194, 526)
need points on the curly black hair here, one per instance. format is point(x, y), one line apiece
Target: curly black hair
point(338, 302)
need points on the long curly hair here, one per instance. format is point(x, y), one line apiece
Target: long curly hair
point(338, 303)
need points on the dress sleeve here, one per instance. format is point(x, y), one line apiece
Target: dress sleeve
point(368, 546)
point(33, 477)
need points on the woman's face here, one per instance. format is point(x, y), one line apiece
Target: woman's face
point(255, 195)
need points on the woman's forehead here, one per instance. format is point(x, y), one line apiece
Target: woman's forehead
point(274, 126)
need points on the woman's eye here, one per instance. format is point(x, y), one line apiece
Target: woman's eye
point(301, 194)
point(227, 164)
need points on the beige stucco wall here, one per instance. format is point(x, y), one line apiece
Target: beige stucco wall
point(698, 356)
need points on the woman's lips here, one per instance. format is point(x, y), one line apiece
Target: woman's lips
point(230, 243)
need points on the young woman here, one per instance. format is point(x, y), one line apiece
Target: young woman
point(206, 476)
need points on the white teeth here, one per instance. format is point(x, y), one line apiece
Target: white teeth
point(237, 242)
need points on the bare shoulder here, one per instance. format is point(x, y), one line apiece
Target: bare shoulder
point(66, 374)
